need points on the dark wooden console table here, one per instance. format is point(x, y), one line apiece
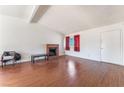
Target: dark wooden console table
point(39, 55)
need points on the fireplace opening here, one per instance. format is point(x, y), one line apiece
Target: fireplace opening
point(52, 52)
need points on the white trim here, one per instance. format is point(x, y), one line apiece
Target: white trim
point(100, 46)
point(121, 45)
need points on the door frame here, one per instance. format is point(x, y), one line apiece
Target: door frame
point(121, 44)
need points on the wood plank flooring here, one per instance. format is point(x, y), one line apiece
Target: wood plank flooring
point(62, 72)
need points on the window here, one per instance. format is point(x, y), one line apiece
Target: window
point(77, 43)
point(67, 43)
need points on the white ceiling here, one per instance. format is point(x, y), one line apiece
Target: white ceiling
point(68, 18)
point(20, 11)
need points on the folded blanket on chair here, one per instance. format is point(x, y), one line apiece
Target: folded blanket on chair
point(8, 57)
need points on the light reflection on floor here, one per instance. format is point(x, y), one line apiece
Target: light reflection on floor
point(71, 68)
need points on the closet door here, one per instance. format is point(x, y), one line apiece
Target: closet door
point(111, 47)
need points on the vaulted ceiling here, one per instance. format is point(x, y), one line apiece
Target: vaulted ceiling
point(67, 18)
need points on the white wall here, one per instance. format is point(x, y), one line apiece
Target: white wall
point(90, 42)
point(26, 38)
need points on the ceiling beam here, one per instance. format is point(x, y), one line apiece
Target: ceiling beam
point(37, 12)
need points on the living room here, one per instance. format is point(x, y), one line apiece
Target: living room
point(61, 45)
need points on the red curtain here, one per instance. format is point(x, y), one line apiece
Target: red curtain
point(77, 43)
point(67, 46)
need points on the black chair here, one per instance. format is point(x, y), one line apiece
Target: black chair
point(10, 56)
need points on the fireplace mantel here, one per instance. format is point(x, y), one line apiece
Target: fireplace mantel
point(52, 46)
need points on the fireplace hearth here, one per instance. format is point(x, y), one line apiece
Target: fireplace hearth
point(52, 50)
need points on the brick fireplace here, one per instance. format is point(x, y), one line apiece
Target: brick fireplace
point(52, 49)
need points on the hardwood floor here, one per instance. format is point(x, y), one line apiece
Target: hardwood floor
point(63, 71)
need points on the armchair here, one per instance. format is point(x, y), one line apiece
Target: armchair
point(8, 56)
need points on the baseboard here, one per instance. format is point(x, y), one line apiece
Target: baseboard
point(26, 60)
point(83, 58)
point(96, 60)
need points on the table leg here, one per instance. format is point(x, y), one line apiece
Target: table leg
point(32, 59)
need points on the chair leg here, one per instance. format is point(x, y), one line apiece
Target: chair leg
point(47, 57)
point(2, 64)
point(13, 62)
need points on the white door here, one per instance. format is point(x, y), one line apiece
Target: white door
point(111, 47)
